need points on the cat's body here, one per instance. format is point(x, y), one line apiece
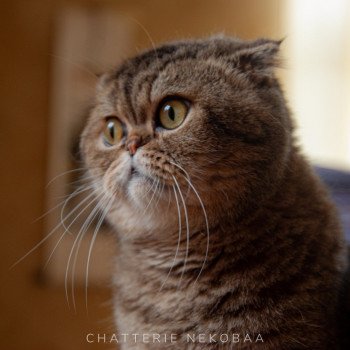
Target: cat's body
point(261, 252)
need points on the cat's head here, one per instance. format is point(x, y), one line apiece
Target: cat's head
point(202, 118)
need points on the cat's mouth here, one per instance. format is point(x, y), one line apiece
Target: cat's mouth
point(137, 175)
point(134, 172)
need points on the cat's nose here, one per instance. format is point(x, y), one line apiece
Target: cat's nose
point(133, 143)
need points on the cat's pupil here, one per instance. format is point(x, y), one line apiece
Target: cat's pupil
point(171, 113)
point(111, 130)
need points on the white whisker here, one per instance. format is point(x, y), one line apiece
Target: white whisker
point(72, 250)
point(63, 174)
point(70, 224)
point(64, 206)
point(187, 229)
point(153, 194)
point(76, 65)
point(79, 190)
point(82, 232)
point(102, 217)
point(178, 240)
point(187, 178)
point(207, 228)
point(149, 38)
point(49, 234)
point(159, 195)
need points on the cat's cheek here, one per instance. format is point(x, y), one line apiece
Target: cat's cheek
point(116, 178)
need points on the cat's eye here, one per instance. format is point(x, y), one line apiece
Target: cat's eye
point(113, 131)
point(172, 113)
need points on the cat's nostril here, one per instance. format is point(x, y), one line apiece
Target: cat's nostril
point(133, 144)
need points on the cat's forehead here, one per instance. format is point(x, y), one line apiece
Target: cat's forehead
point(172, 69)
point(158, 58)
point(198, 70)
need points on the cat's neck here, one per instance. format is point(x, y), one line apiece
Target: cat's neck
point(196, 248)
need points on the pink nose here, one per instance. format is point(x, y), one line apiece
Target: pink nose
point(133, 144)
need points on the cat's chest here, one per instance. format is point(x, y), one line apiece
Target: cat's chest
point(152, 291)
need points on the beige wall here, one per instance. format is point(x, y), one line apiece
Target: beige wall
point(35, 315)
point(319, 78)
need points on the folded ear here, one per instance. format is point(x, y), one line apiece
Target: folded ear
point(258, 59)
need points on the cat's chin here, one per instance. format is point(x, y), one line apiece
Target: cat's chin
point(141, 189)
point(136, 210)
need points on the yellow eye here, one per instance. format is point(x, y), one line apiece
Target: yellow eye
point(113, 131)
point(172, 113)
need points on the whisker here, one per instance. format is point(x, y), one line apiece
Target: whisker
point(82, 233)
point(169, 201)
point(207, 228)
point(181, 168)
point(154, 191)
point(178, 240)
point(70, 224)
point(63, 208)
point(149, 189)
point(77, 65)
point(48, 235)
point(81, 180)
point(187, 178)
point(53, 250)
point(63, 174)
point(149, 38)
point(187, 229)
point(97, 228)
point(72, 250)
point(76, 192)
point(159, 195)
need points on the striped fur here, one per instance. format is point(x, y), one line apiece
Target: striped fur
point(275, 258)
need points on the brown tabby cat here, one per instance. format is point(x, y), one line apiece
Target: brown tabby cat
point(227, 239)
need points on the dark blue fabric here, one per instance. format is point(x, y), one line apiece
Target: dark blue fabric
point(338, 183)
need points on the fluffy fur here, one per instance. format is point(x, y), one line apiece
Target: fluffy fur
point(222, 225)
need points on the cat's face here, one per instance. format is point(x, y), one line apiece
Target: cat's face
point(194, 119)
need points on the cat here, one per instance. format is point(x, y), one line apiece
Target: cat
point(223, 228)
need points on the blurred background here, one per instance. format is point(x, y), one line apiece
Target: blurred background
point(51, 51)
